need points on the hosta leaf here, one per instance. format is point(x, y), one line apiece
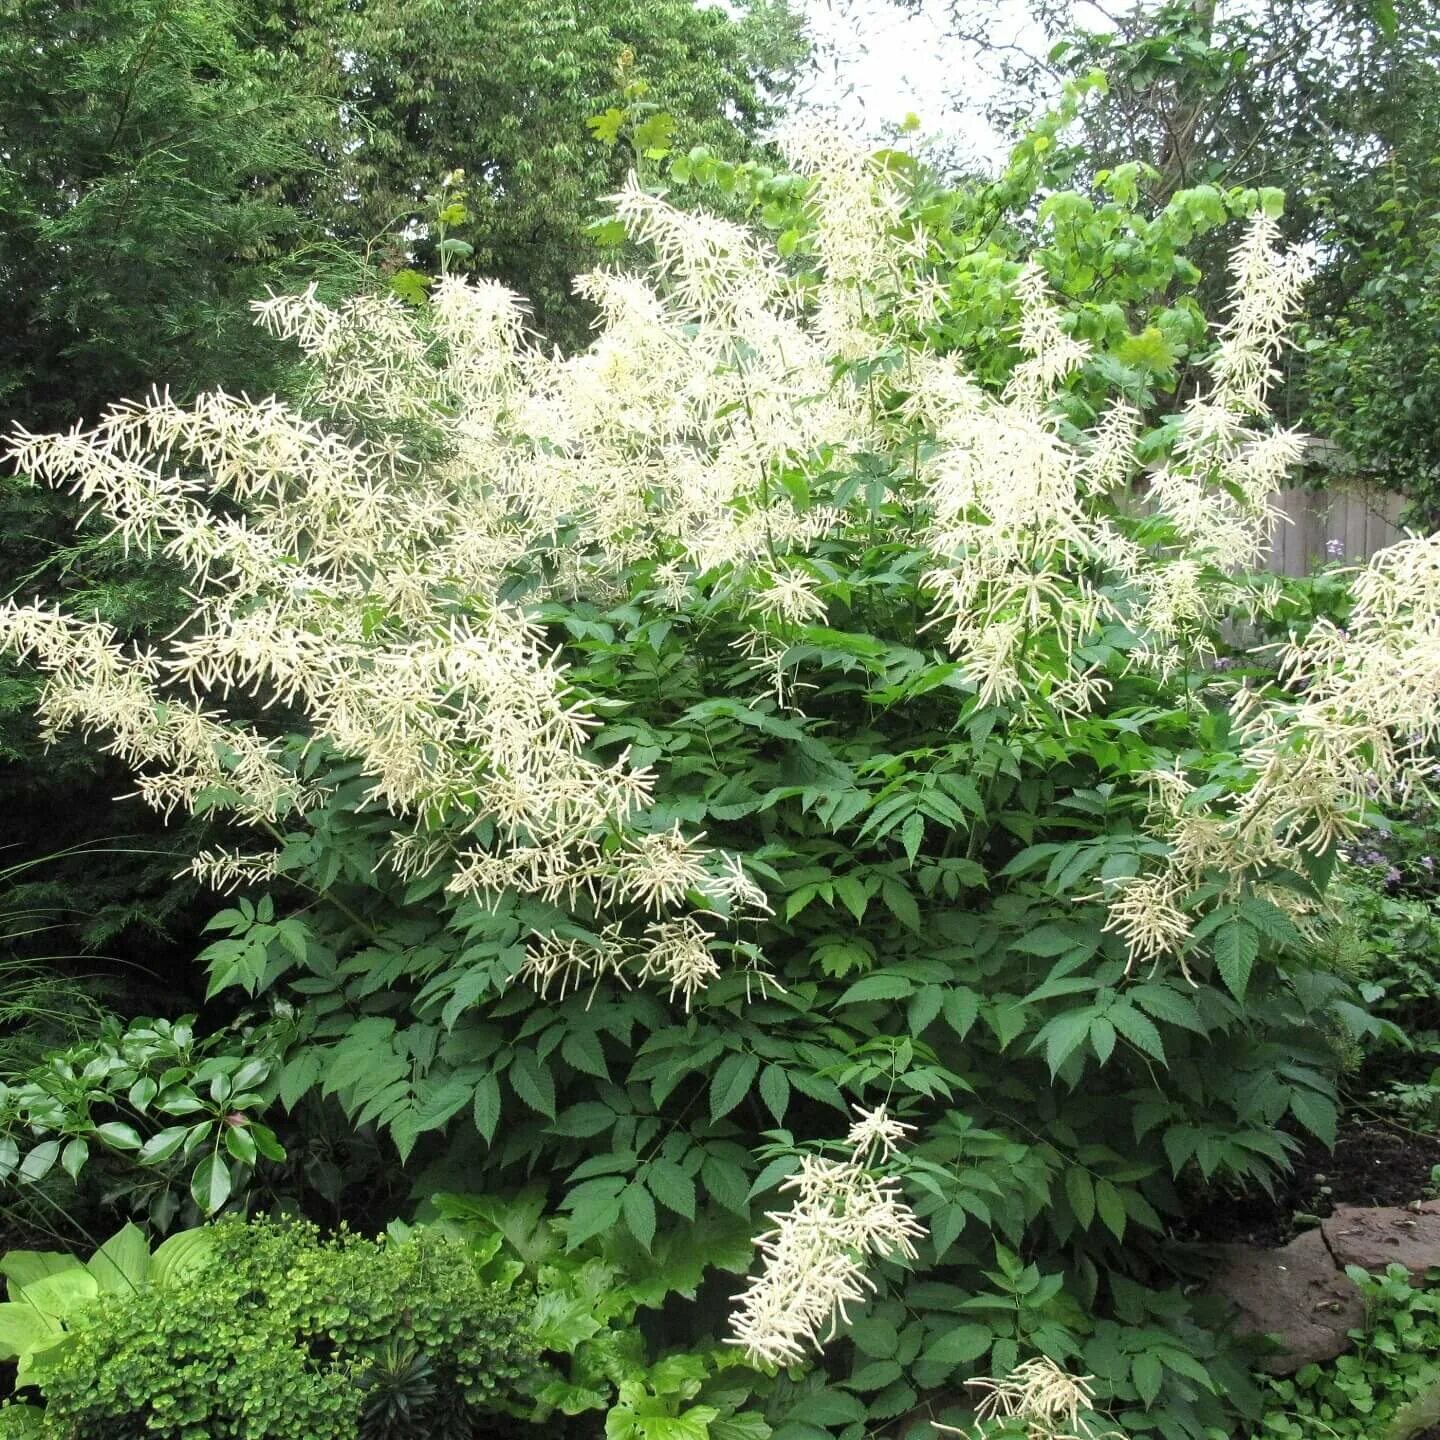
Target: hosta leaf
point(122, 1264)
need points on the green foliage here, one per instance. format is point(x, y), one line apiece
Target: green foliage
point(53, 1297)
point(165, 163)
point(935, 865)
point(1386, 1388)
point(277, 1332)
point(608, 1314)
point(1335, 103)
point(181, 1112)
point(1122, 272)
point(502, 92)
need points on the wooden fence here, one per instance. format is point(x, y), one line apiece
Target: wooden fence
point(1354, 524)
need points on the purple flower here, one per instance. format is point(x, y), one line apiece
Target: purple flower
point(1428, 861)
point(1335, 549)
point(1392, 876)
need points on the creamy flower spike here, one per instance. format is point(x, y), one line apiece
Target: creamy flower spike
point(813, 1263)
point(1046, 1400)
point(368, 582)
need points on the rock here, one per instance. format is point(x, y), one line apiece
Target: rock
point(1296, 1293)
point(1375, 1238)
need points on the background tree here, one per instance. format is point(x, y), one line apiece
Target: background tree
point(503, 91)
point(1336, 102)
point(163, 161)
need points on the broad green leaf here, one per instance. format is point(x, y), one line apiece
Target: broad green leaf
point(162, 1145)
point(22, 1328)
point(210, 1184)
point(122, 1263)
point(182, 1254)
point(60, 1293)
point(24, 1267)
point(39, 1162)
point(73, 1157)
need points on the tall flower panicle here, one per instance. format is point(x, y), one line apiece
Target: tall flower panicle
point(813, 1263)
point(376, 561)
point(1049, 1402)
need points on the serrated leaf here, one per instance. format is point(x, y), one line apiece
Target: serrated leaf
point(1111, 1208)
point(1080, 1191)
point(1049, 940)
point(583, 1050)
point(585, 1120)
point(731, 1083)
point(1102, 1038)
point(1063, 1036)
point(532, 1081)
point(1147, 1373)
point(1236, 946)
point(487, 1106)
point(1317, 1114)
point(961, 1007)
point(672, 1187)
point(1138, 1029)
point(639, 1211)
point(878, 987)
point(958, 1347)
point(775, 1091)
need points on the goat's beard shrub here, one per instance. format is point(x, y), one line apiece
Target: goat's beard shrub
point(755, 716)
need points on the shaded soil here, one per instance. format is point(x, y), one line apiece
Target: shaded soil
point(1372, 1164)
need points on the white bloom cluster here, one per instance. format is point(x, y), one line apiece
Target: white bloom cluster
point(370, 583)
point(1046, 1400)
point(814, 1259)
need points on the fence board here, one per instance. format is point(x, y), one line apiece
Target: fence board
point(1361, 521)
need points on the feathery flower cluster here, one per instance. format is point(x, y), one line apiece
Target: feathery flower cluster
point(1365, 714)
point(369, 583)
point(814, 1259)
point(1051, 1404)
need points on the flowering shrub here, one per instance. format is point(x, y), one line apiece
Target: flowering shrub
point(763, 713)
